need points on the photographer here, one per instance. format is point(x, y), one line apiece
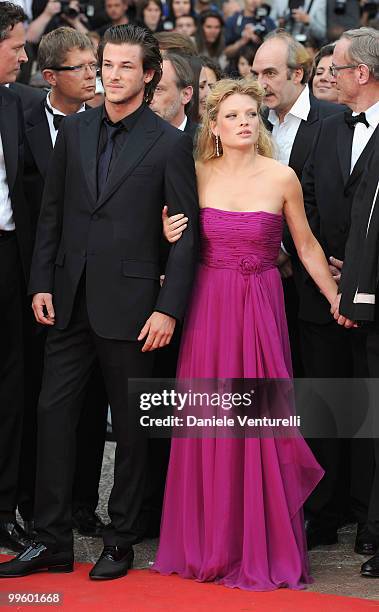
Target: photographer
point(301, 18)
point(248, 26)
point(51, 14)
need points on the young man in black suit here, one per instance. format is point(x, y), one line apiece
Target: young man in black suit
point(68, 64)
point(95, 280)
point(15, 253)
point(330, 179)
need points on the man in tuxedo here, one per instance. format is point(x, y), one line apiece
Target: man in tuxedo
point(331, 176)
point(95, 279)
point(282, 66)
point(15, 253)
point(358, 297)
point(68, 64)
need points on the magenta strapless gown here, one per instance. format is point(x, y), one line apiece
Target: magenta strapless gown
point(233, 507)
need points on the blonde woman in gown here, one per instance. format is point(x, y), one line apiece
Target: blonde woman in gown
point(233, 507)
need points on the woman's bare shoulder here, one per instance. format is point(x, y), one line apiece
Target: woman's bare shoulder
point(279, 171)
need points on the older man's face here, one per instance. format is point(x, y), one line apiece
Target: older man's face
point(12, 54)
point(167, 100)
point(346, 80)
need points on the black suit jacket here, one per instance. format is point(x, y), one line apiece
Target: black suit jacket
point(191, 128)
point(27, 94)
point(38, 153)
point(116, 237)
point(12, 136)
point(329, 189)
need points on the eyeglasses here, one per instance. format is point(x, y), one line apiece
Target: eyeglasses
point(334, 69)
point(76, 69)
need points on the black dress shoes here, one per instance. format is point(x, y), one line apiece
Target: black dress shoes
point(13, 536)
point(370, 569)
point(318, 535)
point(87, 522)
point(37, 558)
point(364, 543)
point(114, 562)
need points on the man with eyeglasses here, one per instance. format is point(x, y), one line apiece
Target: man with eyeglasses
point(68, 64)
point(330, 180)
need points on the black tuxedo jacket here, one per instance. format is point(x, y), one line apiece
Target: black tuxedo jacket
point(28, 95)
point(38, 154)
point(12, 136)
point(191, 128)
point(115, 237)
point(329, 190)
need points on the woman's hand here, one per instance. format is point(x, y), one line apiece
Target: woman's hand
point(173, 227)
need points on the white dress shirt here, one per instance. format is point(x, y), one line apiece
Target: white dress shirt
point(182, 126)
point(284, 133)
point(50, 118)
point(6, 213)
point(362, 134)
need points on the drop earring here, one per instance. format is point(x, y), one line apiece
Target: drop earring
point(217, 146)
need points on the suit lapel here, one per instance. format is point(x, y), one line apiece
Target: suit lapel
point(362, 159)
point(89, 138)
point(138, 143)
point(9, 131)
point(39, 138)
point(303, 141)
point(344, 144)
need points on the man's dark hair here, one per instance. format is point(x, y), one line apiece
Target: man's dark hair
point(10, 15)
point(151, 56)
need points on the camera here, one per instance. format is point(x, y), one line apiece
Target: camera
point(340, 7)
point(371, 8)
point(261, 13)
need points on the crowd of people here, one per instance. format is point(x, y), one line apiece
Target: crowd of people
point(109, 109)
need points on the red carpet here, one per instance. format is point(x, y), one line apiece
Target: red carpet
point(145, 591)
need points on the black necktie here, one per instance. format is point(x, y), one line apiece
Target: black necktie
point(352, 120)
point(106, 155)
point(57, 119)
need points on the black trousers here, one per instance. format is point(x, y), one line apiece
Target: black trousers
point(11, 373)
point(373, 367)
point(90, 434)
point(330, 351)
point(69, 360)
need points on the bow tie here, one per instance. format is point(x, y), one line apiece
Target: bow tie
point(352, 120)
point(57, 119)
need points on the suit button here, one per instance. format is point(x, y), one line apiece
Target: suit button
point(95, 217)
point(83, 253)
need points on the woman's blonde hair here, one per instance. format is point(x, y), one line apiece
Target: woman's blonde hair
point(206, 141)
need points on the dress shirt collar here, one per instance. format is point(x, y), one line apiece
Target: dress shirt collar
point(372, 115)
point(58, 112)
point(300, 109)
point(182, 126)
point(127, 122)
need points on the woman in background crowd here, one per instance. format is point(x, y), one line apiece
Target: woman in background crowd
point(323, 84)
point(210, 73)
point(245, 60)
point(210, 37)
point(150, 15)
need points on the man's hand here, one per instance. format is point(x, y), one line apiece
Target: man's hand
point(301, 16)
point(341, 320)
point(173, 227)
point(158, 329)
point(335, 268)
point(41, 300)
